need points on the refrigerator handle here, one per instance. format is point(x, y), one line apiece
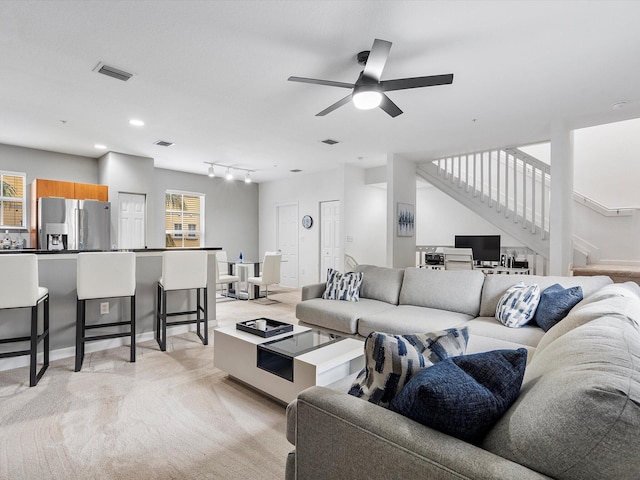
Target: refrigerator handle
point(79, 229)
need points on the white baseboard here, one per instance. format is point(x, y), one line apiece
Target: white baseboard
point(90, 347)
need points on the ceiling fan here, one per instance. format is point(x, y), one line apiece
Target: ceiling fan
point(369, 91)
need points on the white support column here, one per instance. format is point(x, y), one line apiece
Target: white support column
point(401, 187)
point(561, 207)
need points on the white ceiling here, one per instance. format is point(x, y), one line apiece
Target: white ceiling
point(211, 76)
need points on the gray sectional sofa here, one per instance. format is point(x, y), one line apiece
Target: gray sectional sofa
point(577, 416)
point(419, 300)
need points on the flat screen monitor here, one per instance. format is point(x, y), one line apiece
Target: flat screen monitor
point(486, 248)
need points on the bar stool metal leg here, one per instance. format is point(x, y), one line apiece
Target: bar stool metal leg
point(133, 328)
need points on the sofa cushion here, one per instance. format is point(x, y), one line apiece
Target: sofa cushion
point(409, 319)
point(456, 291)
point(488, 327)
point(342, 286)
point(380, 283)
point(335, 315)
point(578, 414)
point(495, 286)
point(555, 303)
point(518, 305)
point(391, 360)
point(464, 396)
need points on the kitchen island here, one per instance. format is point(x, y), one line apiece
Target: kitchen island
point(57, 272)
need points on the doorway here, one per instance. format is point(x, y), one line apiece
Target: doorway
point(330, 238)
point(287, 243)
point(131, 220)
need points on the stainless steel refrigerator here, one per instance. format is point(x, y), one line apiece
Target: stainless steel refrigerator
point(65, 224)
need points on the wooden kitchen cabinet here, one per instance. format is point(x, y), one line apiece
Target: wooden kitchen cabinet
point(91, 191)
point(52, 188)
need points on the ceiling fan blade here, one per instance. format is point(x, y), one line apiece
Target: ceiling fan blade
point(388, 106)
point(416, 82)
point(331, 108)
point(377, 59)
point(315, 81)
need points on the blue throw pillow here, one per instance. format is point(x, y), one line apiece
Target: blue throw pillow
point(464, 396)
point(391, 360)
point(555, 303)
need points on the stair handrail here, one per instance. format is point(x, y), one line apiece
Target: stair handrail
point(603, 209)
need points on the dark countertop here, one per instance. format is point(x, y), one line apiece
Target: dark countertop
point(136, 250)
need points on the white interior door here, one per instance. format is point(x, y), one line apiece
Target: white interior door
point(330, 238)
point(131, 220)
point(287, 242)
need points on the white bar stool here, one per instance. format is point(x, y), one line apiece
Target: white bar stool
point(23, 291)
point(105, 275)
point(182, 270)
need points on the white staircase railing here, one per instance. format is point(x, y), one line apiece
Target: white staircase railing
point(507, 181)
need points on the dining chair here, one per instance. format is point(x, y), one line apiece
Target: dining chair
point(458, 259)
point(270, 272)
point(223, 277)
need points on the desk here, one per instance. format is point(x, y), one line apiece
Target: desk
point(486, 270)
point(504, 270)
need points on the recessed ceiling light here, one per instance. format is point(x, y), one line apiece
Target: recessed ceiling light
point(619, 105)
point(100, 147)
point(136, 123)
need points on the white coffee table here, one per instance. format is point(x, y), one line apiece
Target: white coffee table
point(236, 352)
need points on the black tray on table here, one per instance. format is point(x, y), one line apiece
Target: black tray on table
point(274, 327)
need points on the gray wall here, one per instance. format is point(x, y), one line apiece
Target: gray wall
point(231, 209)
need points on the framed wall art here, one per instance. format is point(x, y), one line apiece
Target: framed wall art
point(405, 220)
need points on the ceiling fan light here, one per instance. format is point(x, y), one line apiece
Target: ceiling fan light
point(367, 99)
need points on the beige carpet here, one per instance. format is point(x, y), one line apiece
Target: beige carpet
point(170, 415)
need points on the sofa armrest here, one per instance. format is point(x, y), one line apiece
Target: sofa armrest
point(341, 436)
point(315, 290)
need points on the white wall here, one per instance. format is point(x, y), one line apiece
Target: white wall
point(365, 218)
point(607, 163)
point(307, 191)
point(439, 218)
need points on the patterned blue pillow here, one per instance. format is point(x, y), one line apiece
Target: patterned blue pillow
point(518, 305)
point(391, 360)
point(464, 396)
point(555, 304)
point(343, 286)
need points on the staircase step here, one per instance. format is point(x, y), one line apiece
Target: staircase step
point(618, 273)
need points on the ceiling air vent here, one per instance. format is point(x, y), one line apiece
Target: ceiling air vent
point(164, 143)
point(113, 72)
point(328, 141)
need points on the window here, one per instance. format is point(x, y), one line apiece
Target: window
point(13, 200)
point(184, 211)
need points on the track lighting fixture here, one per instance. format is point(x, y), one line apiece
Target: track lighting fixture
point(229, 173)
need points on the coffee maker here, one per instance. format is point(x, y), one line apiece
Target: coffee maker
point(57, 236)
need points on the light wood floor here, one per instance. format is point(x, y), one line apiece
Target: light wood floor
point(170, 415)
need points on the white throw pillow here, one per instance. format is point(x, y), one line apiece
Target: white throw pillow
point(343, 286)
point(518, 305)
